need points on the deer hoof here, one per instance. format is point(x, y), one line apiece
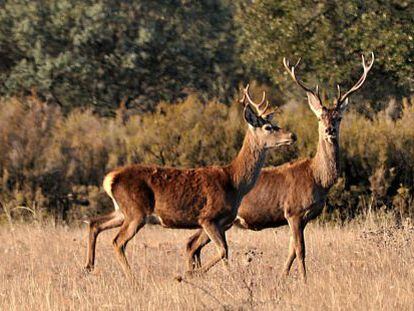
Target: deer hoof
point(87, 269)
point(178, 278)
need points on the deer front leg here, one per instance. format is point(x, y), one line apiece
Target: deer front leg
point(296, 246)
point(194, 246)
point(217, 235)
point(300, 252)
point(291, 256)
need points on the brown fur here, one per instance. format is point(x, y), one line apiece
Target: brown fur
point(206, 198)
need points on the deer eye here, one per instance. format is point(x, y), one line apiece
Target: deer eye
point(268, 127)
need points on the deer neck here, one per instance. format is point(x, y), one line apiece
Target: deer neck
point(325, 164)
point(245, 168)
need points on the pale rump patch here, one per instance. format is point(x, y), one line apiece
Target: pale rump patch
point(107, 185)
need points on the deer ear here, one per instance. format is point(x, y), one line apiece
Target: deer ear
point(251, 117)
point(314, 104)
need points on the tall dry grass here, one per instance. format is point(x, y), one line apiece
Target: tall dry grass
point(358, 267)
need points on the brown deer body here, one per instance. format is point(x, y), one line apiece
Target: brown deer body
point(293, 193)
point(206, 198)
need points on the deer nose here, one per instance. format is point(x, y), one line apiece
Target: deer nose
point(293, 137)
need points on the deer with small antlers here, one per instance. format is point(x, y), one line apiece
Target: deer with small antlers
point(293, 193)
point(206, 198)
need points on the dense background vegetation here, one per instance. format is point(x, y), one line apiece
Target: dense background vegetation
point(86, 86)
point(99, 53)
point(329, 36)
point(54, 164)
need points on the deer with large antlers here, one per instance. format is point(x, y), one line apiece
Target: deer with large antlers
point(206, 198)
point(294, 193)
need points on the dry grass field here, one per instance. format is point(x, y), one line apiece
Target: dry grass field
point(355, 267)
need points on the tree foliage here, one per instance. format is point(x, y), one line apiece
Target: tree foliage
point(101, 52)
point(330, 36)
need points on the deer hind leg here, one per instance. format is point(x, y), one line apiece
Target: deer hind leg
point(96, 226)
point(194, 246)
point(129, 228)
point(218, 236)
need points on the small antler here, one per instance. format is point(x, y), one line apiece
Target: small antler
point(262, 112)
point(341, 98)
point(291, 71)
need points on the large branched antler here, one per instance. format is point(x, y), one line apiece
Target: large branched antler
point(341, 98)
point(246, 99)
point(314, 98)
point(291, 70)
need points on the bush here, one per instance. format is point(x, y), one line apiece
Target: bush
point(53, 165)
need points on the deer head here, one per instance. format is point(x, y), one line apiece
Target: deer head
point(329, 119)
point(267, 134)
